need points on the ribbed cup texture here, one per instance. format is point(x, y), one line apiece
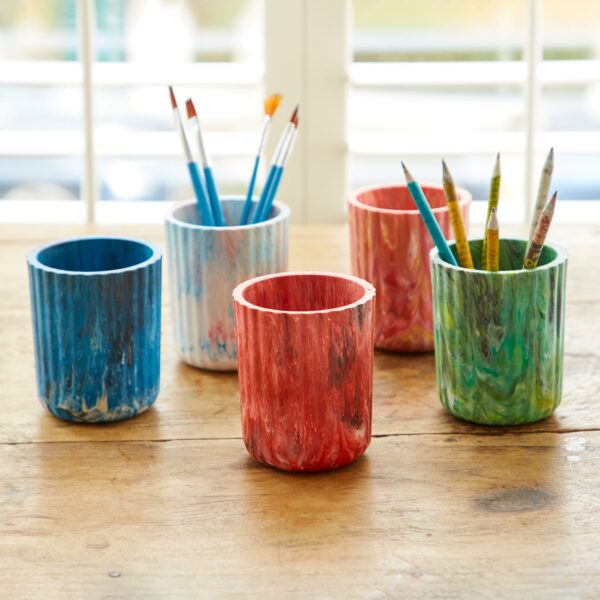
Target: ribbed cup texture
point(95, 306)
point(499, 336)
point(205, 264)
point(305, 377)
point(390, 247)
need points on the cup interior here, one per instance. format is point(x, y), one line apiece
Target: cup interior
point(512, 254)
point(303, 292)
point(88, 255)
point(232, 211)
point(397, 197)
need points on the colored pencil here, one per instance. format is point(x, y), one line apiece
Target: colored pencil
point(271, 104)
point(211, 188)
point(285, 154)
point(539, 235)
point(204, 209)
point(460, 237)
point(492, 232)
point(275, 167)
point(432, 225)
point(494, 197)
point(542, 195)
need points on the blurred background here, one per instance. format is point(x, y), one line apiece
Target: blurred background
point(422, 80)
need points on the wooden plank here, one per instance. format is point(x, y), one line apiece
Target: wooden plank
point(494, 516)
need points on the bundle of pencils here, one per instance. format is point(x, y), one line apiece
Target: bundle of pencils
point(490, 251)
point(203, 182)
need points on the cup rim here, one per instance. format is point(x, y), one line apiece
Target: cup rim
point(368, 292)
point(561, 256)
point(465, 197)
point(33, 260)
point(284, 213)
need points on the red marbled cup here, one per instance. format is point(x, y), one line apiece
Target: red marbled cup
point(390, 246)
point(305, 367)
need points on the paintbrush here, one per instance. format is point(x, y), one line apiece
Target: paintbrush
point(282, 144)
point(285, 154)
point(211, 188)
point(271, 104)
point(205, 212)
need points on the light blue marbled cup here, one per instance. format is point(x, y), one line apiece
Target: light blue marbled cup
point(95, 305)
point(206, 264)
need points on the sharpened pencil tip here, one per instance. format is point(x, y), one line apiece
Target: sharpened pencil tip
point(493, 221)
point(407, 175)
point(496, 172)
point(446, 171)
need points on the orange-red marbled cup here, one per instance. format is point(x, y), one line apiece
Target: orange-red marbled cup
point(390, 246)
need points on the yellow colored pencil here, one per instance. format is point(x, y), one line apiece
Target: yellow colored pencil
point(462, 244)
point(492, 233)
point(492, 204)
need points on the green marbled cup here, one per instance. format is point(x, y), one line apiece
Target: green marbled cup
point(499, 336)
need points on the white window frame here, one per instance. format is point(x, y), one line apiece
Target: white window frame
point(308, 60)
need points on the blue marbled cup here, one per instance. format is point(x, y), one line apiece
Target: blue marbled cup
point(205, 264)
point(95, 305)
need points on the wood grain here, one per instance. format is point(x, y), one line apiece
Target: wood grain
point(172, 506)
point(418, 516)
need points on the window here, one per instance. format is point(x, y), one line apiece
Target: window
point(86, 127)
point(459, 80)
point(211, 50)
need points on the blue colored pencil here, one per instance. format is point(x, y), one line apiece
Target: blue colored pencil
point(271, 104)
point(211, 188)
point(432, 225)
point(204, 210)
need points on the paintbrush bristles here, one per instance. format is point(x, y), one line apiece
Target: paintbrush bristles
point(294, 117)
point(190, 108)
point(272, 103)
point(173, 99)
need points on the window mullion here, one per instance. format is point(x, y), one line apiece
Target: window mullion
point(533, 55)
point(86, 26)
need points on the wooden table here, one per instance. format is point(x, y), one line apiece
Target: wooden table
point(169, 505)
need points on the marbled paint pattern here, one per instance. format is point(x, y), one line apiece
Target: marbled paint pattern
point(95, 306)
point(390, 247)
point(205, 264)
point(305, 368)
point(499, 335)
